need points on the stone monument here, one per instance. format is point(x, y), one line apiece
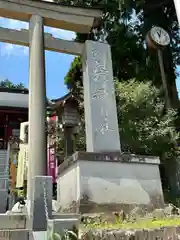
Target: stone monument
point(102, 133)
point(102, 178)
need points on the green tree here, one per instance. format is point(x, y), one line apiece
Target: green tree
point(8, 84)
point(75, 73)
point(163, 14)
point(125, 25)
point(128, 53)
point(144, 126)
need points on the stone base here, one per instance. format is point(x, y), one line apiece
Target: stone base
point(58, 226)
point(15, 234)
point(14, 221)
point(3, 200)
point(41, 204)
point(106, 182)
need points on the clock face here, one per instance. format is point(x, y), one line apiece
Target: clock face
point(160, 36)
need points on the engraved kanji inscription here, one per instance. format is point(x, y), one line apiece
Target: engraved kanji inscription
point(99, 94)
point(104, 127)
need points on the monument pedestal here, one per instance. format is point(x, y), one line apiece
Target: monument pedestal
point(107, 182)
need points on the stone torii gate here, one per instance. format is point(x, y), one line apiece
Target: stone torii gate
point(100, 108)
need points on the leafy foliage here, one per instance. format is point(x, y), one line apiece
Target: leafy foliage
point(8, 84)
point(67, 235)
point(144, 223)
point(75, 73)
point(124, 26)
point(145, 128)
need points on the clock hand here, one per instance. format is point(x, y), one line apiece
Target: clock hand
point(159, 33)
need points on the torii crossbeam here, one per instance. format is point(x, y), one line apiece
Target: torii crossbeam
point(21, 37)
point(54, 15)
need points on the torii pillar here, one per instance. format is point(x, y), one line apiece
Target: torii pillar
point(37, 103)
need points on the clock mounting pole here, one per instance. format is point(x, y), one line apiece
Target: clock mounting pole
point(157, 38)
point(163, 76)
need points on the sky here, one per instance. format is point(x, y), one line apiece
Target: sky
point(14, 60)
point(178, 82)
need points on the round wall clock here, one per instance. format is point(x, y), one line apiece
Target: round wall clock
point(157, 36)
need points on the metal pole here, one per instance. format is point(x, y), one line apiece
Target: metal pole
point(163, 77)
point(177, 8)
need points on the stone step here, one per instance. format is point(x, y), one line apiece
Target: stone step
point(3, 203)
point(13, 221)
point(4, 175)
point(4, 183)
point(59, 225)
point(3, 154)
point(41, 235)
point(3, 168)
point(17, 234)
point(3, 161)
point(3, 157)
